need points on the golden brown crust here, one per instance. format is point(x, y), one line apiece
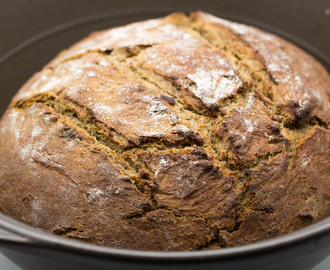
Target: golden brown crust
point(287, 196)
point(179, 133)
point(57, 178)
point(302, 84)
point(247, 133)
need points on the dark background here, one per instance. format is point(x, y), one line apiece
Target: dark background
point(23, 19)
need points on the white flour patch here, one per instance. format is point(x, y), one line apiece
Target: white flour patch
point(72, 143)
point(36, 131)
point(181, 128)
point(305, 161)
point(249, 125)
point(211, 86)
point(163, 164)
point(36, 209)
point(13, 127)
point(91, 74)
point(250, 103)
point(93, 194)
point(101, 109)
point(104, 63)
point(117, 190)
point(78, 72)
point(156, 109)
point(26, 153)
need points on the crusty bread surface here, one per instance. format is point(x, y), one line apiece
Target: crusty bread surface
point(172, 134)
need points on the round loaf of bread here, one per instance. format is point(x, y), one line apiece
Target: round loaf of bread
point(179, 133)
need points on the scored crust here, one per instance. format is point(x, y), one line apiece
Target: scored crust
point(179, 133)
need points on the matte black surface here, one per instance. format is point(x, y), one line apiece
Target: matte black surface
point(33, 32)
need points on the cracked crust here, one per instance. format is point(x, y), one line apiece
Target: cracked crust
point(180, 133)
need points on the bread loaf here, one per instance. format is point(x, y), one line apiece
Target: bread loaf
point(179, 133)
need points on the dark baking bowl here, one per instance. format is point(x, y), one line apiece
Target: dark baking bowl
point(34, 249)
point(32, 32)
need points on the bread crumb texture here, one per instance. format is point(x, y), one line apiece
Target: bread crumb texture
point(179, 133)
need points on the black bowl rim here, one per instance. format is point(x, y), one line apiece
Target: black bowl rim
point(20, 233)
